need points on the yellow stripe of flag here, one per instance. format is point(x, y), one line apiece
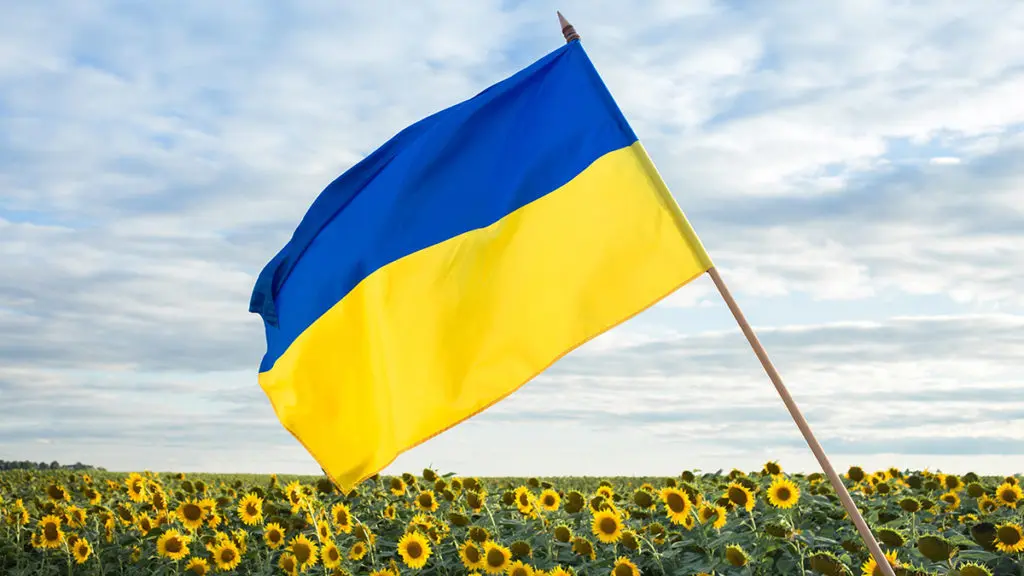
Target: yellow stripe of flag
point(460, 260)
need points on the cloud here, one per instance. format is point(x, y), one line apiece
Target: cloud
point(904, 387)
point(850, 161)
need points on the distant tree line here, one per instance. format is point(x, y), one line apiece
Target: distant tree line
point(26, 465)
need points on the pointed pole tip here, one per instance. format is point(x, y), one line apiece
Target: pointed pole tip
point(567, 29)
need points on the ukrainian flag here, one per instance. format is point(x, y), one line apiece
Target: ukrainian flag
point(460, 260)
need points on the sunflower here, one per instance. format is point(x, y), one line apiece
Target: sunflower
point(629, 540)
point(76, 517)
point(471, 555)
point(426, 501)
point(910, 504)
point(57, 493)
point(1009, 537)
point(304, 552)
point(559, 571)
point(414, 550)
point(330, 555)
point(772, 468)
point(643, 498)
point(323, 530)
point(172, 544)
point(357, 551)
point(191, 514)
point(496, 557)
point(287, 563)
point(250, 509)
point(136, 486)
point(716, 513)
point(397, 486)
point(523, 499)
point(736, 555)
point(342, 517)
point(973, 569)
point(606, 526)
point(197, 566)
point(562, 533)
point(363, 533)
point(624, 567)
point(986, 504)
point(273, 535)
point(783, 493)
point(81, 550)
point(951, 499)
point(828, 564)
point(952, 482)
point(144, 523)
point(226, 555)
point(1009, 494)
point(549, 500)
point(855, 473)
point(740, 495)
point(677, 504)
point(870, 567)
point(607, 491)
point(50, 533)
point(519, 568)
point(583, 547)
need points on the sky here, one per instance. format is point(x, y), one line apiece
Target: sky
point(854, 168)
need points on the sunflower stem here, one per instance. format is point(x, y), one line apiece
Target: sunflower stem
point(491, 516)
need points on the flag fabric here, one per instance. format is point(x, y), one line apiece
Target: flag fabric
point(460, 260)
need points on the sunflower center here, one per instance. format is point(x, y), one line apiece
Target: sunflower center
point(1008, 496)
point(341, 518)
point(414, 550)
point(173, 545)
point(519, 571)
point(738, 496)
point(50, 531)
point(1009, 535)
point(250, 509)
point(783, 494)
point(495, 558)
point(301, 552)
point(472, 554)
point(676, 503)
point(274, 536)
point(549, 500)
point(608, 525)
point(227, 555)
point(523, 500)
point(623, 570)
point(332, 553)
point(425, 500)
point(192, 512)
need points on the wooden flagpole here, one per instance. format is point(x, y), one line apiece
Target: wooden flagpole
point(570, 34)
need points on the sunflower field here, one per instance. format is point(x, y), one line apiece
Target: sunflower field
point(764, 522)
